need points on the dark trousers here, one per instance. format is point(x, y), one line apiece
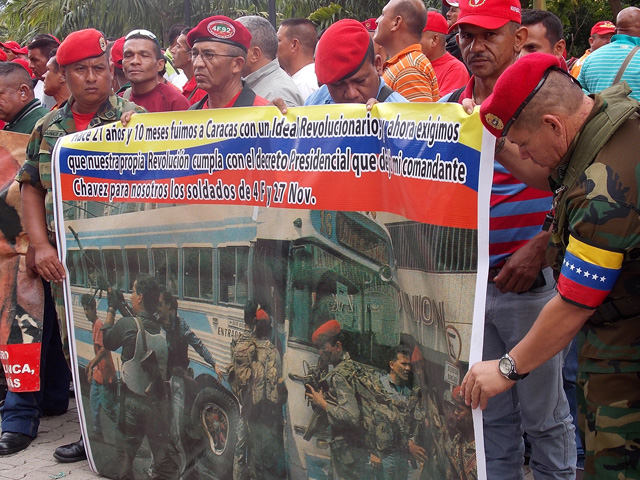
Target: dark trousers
point(21, 412)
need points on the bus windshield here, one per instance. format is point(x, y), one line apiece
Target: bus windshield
point(328, 286)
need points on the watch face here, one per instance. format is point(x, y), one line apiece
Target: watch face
point(505, 366)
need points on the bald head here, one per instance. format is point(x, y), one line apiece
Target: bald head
point(628, 22)
point(414, 14)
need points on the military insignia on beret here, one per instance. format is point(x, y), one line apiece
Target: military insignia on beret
point(494, 121)
point(476, 3)
point(221, 29)
point(367, 25)
point(103, 44)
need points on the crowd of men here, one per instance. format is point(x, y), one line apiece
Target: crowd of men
point(565, 198)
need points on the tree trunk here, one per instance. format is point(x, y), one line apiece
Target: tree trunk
point(616, 6)
point(540, 4)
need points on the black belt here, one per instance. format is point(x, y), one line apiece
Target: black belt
point(616, 309)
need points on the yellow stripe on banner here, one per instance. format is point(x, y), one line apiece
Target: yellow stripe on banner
point(595, 255)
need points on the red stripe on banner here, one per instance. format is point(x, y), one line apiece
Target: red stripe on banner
point(580, 294)
point(21, 364)
point(326, 192)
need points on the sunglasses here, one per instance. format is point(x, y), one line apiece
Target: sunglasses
point(533, 93)
point(142, 33)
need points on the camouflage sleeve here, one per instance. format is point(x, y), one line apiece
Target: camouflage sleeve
point(604, 226)
point(346, 412)
point(30, 171)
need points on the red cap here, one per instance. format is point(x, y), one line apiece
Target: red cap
point(80, 45)
point(451, 3)
point(457, 395)
point(117, 52)
point(3, 56)
point(341, 51)
point(11, 45)
point(21, 51)
point(24, 63)
point(326, 332)
point(603, 28)
point(371, 24)
point(513, 88)
point(262, 315)
point(220, 29)
point(436, 23)
point(489, 14)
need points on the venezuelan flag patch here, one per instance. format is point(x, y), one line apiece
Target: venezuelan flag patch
point(588, 273)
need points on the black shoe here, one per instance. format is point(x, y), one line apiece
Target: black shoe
point(74, 452)
point(11, 442)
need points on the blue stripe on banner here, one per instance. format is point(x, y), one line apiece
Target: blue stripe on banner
point(588, 274)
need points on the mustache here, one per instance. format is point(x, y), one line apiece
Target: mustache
point(475, 56)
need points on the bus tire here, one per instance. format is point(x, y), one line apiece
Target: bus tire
point(215, 416)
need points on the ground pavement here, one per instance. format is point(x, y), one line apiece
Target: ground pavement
point(37, 462)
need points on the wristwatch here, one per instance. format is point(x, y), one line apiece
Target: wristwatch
point(507, 368)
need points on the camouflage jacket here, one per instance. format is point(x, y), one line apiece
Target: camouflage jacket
point(598, 250)
point(37, 169)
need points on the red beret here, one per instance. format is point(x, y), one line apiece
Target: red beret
point(3, 56)
point(80, 45)
point(220, 29)
point(117, 52)
point(603, 28)
point(489, 14)
point(25, 64)
point(262, 315)
point(515, 87)
point(436, 23)
point(326, 332)
point(341, 51)
point(370, 24)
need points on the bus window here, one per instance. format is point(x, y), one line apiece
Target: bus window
point(327, 286)
point(198, 273)
point(93, 263)
point(137, 263)
point(114, 268)
point(232, 266)
point(165, 267)
point(74, 264)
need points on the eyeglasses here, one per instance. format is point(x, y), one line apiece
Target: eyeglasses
point(142, 33)
point(532, 94)
point(207, 55)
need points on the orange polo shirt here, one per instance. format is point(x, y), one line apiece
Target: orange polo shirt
point(410, 74)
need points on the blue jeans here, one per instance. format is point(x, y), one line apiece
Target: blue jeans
point(21, 412)
point(395, 466)
point(536, 404)
point(102, 396)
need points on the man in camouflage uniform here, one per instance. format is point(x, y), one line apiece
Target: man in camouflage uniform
point(349, 455)
point(92, 103)
point(395, 464)
point(255, 376)
point(590, 144)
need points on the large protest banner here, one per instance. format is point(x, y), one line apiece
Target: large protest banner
point(21, 293)
point(377, 220)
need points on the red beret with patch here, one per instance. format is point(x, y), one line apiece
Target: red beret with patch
point(436, 23)
point(80, 45)
point(341, 51)
point(117, 52)
point(488, 14)
point(514, 90)
point(326, 332)
point(220, 29)
point(370, 24)
point(603, 28)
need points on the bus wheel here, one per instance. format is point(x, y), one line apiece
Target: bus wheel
point(215, 416)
